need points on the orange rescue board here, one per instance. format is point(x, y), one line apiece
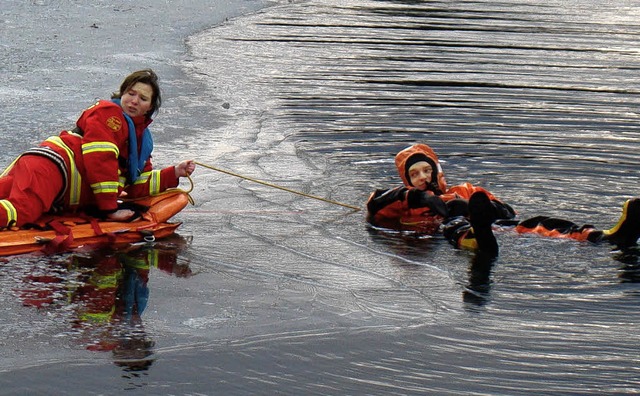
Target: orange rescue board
point(72, 232)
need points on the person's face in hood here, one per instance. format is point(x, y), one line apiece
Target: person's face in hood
point(420, 175)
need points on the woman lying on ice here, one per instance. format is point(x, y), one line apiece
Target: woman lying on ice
point(466, 213)
point(107, 154)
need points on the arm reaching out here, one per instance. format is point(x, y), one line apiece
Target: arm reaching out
point(185, 168)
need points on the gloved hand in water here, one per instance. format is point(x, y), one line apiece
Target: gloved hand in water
point(420, 199)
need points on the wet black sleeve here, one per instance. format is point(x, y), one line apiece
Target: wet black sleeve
point(382, 198)
point(503, 210)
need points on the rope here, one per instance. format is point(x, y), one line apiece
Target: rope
point(277, 186)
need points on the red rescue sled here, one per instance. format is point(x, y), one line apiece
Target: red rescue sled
point(69, 232)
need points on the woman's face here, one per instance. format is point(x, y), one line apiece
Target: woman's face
point(420, 175)
point(136, 101)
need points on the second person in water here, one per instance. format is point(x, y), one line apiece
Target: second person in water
point(465, 213)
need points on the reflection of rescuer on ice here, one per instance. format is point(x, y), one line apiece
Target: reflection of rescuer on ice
point(116, 295)
point(110, 297)
point(466, 213)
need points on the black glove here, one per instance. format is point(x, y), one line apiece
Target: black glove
point(420, 199)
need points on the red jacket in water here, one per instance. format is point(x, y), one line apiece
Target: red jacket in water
point(394, 209)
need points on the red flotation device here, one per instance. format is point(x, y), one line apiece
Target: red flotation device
point(68, 232)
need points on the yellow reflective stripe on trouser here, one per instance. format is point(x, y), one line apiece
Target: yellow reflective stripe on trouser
point(12, 214)
point(468, 241)
point(154, 181)
point(100, 147)
point(469, 244)
point(105, 187)
point(75, 178)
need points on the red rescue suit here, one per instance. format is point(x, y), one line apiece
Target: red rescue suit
point(83, 168)
point(407, 208)
point(394, 208)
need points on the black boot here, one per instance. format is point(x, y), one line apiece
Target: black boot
point(482, 214)
point(627, 231)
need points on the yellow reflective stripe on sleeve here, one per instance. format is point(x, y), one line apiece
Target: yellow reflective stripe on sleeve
point(143, 178)
point(100, 147)
point(76, 179)
point(105, 187)
point(12, 213)
point(122, 181)
point(154, 182)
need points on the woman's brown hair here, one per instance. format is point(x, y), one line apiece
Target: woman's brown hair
point(145, 76)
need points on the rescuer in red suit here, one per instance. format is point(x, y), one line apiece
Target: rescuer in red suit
point(107, 154)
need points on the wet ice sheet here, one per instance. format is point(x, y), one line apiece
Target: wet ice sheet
point(293, 295)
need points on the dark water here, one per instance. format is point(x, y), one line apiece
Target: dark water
point(290, 295)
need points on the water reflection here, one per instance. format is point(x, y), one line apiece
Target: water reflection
point(548, 123)
point(477, 292)
point(411, 249)
point(405, 244)
point(630, 268)
point(103, 295)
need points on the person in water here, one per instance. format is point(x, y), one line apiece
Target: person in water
point(424, 203)
point(105, 157)
point(466, 213)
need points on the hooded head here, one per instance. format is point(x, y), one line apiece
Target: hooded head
point(414, 154)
